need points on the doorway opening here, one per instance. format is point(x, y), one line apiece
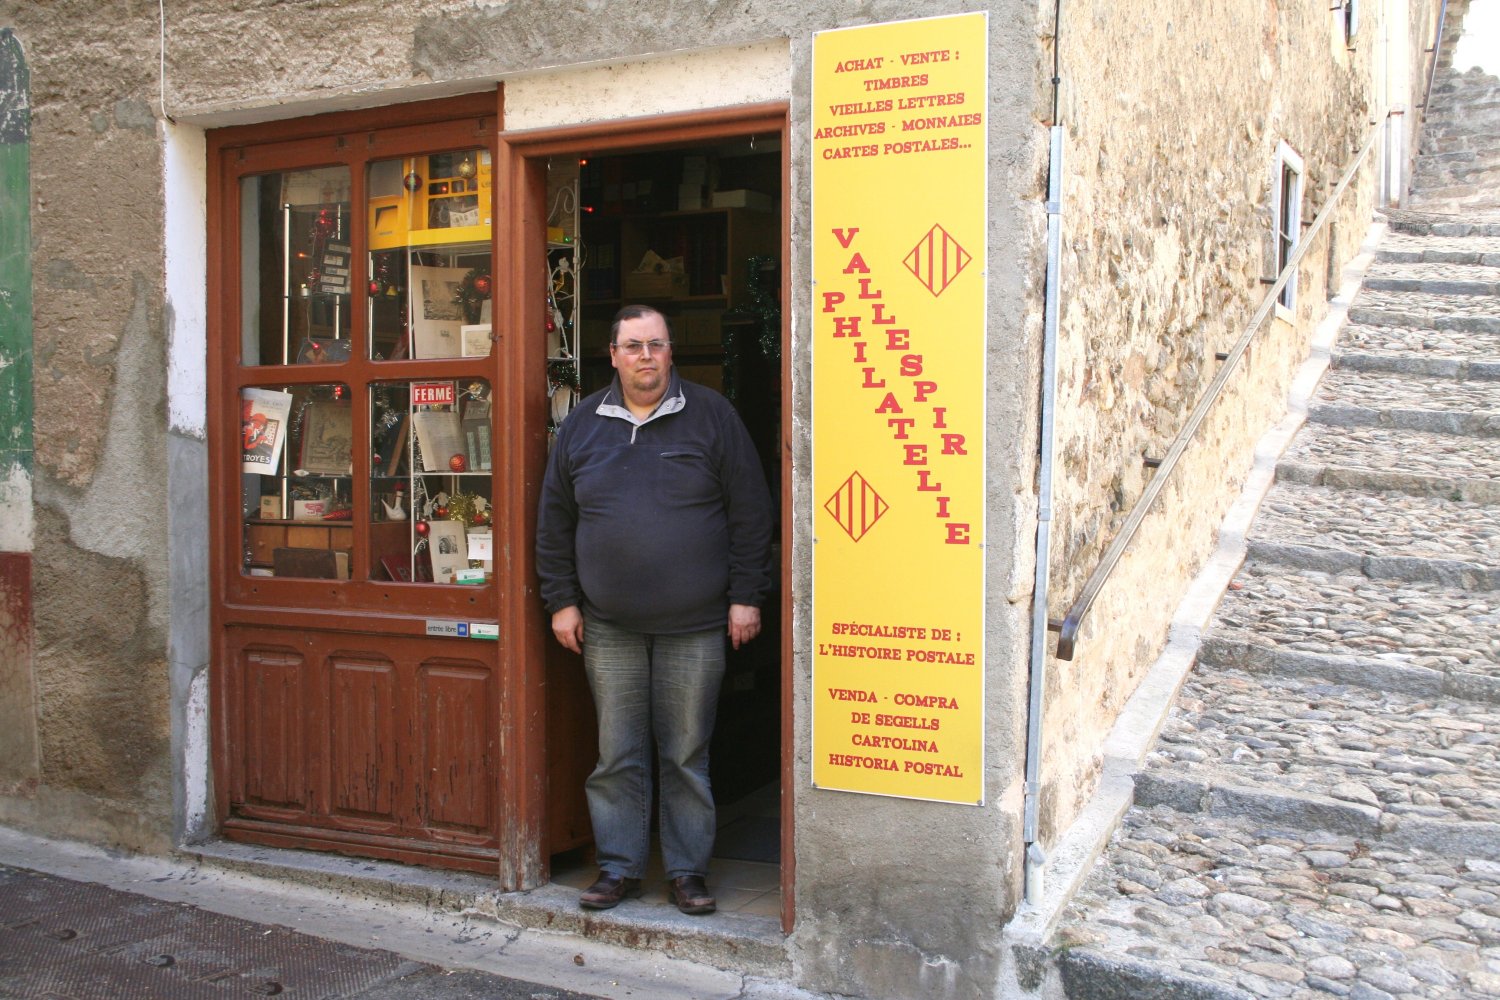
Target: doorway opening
point(693, 229)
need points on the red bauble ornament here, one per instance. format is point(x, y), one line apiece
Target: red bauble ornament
point(482, 517)
point(440, 512)
point(422, 528)
point(412, 181)
point(482, 285)
point(374, 288)
point(458, 463)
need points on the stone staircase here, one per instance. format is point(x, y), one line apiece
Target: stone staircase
point(1321, 814)
point(1458, 170)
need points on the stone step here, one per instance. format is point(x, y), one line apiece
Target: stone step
point(1313, 755)
point(1456, 198)
point(1415, 342)
point(1477, 114)
point(1421, 638)
point(1193, 907)
point(1437, 163)
point(1435, 277)
point(1400, 361)
point(1407, 222)
point(1401, 245)
point(1479, 177)
point(1471, 257)
point(1392, 535)
point(1380, 307)
point(1456, 142)
point(1352, 398)
point(1378, 458)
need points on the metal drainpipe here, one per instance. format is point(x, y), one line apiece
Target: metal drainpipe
point(1036, 858)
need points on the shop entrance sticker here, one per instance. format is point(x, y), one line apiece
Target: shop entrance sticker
point(899, 255)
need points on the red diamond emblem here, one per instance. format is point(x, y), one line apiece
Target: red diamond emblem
point(856, 506)
point(937, 259)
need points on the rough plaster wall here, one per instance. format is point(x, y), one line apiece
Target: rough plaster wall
point(99, 569)
point(1173, 112)
point(898, 898)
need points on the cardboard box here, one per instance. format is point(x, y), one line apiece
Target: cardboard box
point(310, 510)
point(655, 284)
point(743, 198)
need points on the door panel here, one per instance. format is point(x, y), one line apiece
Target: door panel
point(339, 737)
point(456, 767)
point(363, 775)
point(273, 765)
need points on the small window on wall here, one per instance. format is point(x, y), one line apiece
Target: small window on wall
point(1288, 205)
point(1348, 15)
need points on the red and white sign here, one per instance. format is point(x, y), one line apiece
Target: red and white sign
point(432, 394)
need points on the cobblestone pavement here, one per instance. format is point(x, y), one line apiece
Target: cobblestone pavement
point(1320, 816)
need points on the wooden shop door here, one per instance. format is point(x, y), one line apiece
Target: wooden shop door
point(529, 165)
point(375, 447)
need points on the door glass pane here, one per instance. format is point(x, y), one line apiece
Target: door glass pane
point(430, 271)
point(431, 481)
point(295, 267)
point(296, 454)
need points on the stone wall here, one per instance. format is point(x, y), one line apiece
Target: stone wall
point(1173, 114)
point(99, 569)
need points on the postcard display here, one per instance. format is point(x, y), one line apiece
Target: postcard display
point(432, 467)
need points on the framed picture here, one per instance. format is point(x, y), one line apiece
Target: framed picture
point(327, 438)
point(449, 547)
point(476, 340)
point(437, 311)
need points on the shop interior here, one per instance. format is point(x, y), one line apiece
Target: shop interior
point(694, 232)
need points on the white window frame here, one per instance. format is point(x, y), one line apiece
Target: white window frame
point(1286, 223)
point(1348, 13)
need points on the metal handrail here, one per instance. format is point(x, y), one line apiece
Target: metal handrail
point(1067, 629)
point(1437, 54)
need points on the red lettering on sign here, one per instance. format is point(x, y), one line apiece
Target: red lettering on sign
point(864, 290)
point(911, 365)
point(923, 390)
point(859, 351)
point(846, 326)
point(916, 454)
point(937, 417)
point(857, 263)
point(897, 340)
point(902, 425)
point(880, 318)
point(953, 444)
point(831, 299)
point(958, 533)
point(845, 236)
point(925, 483)
point(889, 405)
point(943, 506)
point(870, 380)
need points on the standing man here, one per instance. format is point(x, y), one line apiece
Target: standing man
point(653, 541)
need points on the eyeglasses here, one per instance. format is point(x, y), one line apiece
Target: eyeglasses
point(635, 348)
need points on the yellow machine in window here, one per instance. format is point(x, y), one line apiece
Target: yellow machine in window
point(427, 200)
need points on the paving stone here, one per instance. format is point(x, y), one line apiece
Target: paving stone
point(1348, 397)
point(1320, 814)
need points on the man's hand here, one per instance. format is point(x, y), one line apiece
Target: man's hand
point(744, 623)
point(567, 625)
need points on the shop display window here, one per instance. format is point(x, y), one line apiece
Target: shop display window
point(431, 476)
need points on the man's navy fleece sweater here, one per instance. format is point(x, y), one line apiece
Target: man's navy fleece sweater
point(655, 526)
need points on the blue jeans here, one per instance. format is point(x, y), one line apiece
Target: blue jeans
point(646, 685)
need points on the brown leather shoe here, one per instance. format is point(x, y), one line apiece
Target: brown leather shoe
point(607, 891)
point(691, 895)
